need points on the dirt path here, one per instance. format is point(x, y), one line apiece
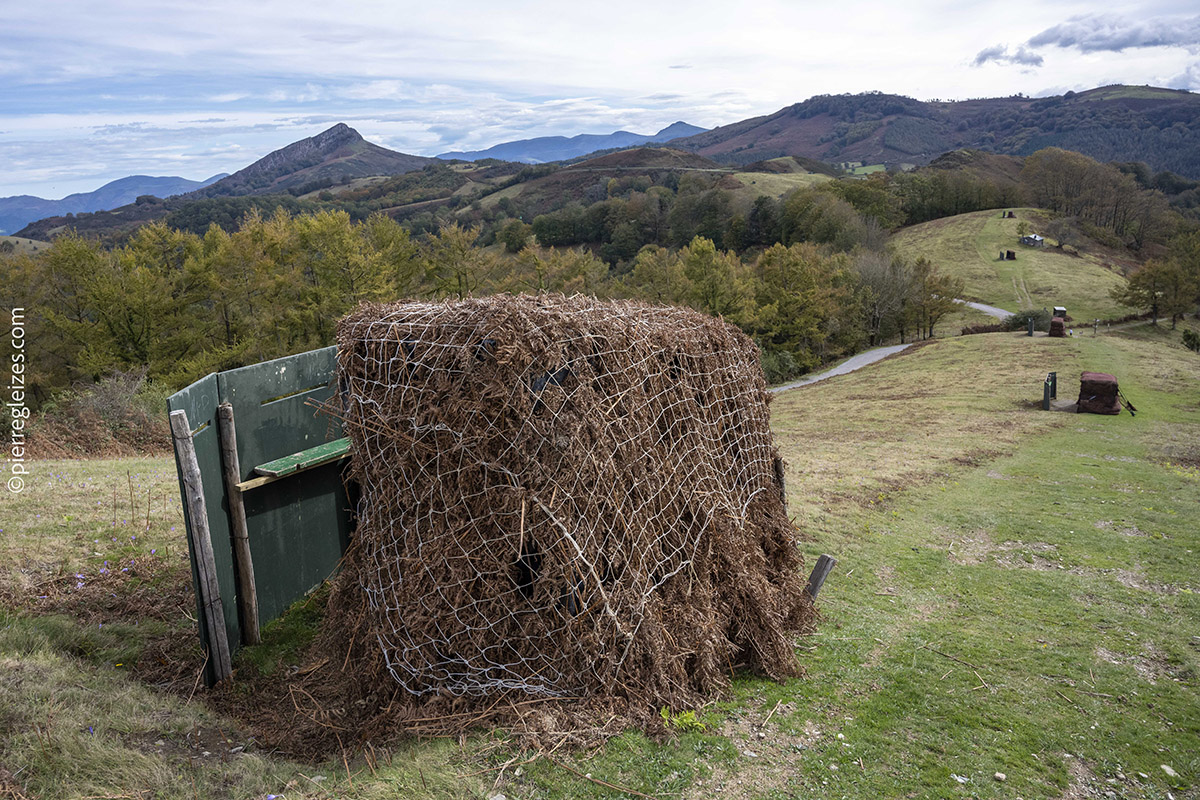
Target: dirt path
point(991, 311)
point(849, 365)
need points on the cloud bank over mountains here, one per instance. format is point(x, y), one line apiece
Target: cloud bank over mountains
point(99, 91)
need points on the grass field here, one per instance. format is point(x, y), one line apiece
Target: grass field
point(1016, 592)
point(23, 245)
point(775, 184)
point(968, 245)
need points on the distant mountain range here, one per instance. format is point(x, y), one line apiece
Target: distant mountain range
point(334, 156)
point(17, 212)
point(1160, 127)
point(561, 148)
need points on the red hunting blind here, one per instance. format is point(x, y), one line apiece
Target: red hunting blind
point(1098, 394)
point(560, 498)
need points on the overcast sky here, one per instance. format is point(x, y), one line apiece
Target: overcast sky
point(90, 92)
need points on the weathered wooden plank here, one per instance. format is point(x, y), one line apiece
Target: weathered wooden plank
point(243, 563)
point(305, 459)
point(200, 401)
point(820, 572)
point(207, 588)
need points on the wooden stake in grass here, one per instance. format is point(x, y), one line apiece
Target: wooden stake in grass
point(208, 590)
point(231, 467)
point(820, 572)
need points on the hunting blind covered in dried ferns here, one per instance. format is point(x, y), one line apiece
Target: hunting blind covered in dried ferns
point(561, 498)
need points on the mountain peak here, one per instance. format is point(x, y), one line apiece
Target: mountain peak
point(336, 136)
point(676, 130)
point(330, 156)
point(558, 148)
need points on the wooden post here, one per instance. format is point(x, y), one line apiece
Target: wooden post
point(780, 480)
point(231, 467)
point(819, 574)
point(208, 591)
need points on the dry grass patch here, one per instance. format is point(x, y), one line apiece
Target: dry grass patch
point(910, 420)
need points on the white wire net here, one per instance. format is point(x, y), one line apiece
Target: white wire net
point(564, 497)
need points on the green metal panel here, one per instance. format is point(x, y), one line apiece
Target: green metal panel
point(200, 401)
point(298, 527)
point(269, 405)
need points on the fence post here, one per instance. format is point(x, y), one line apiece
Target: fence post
point(819, 574)
point(247, 592)
point(1046, 394)
point(208, 590)
point(1053, 385)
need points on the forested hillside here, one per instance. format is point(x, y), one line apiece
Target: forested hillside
point(810, 272)
point(1160, 127)
point(17, 212)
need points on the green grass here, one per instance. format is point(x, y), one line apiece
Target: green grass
point(968, 245)
point(1016, 592)
point(1134, 92)
point(284, 639)
point(1070, 546)
point(867, 169)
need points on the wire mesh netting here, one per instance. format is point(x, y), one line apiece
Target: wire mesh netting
point(563, 498)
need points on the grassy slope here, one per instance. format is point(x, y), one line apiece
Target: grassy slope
point(775, 184)
point(1053, 553)
point(968, 245)
point(23, 245)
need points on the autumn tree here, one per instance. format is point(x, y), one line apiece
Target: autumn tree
point(1160, 286)
point(453, 265)
point(718, 285)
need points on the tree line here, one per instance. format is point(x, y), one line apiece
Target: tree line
point(808, 275)
point(178, 305)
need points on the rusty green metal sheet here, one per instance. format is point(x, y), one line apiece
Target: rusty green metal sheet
point(270, 405)
point(200, 401)
point(298, 527)
point(305, 459)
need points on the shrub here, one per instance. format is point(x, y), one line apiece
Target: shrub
point(1020, 320)
point(997, 328)
point(120, 415)
point(779, 366)
point(1191, 340)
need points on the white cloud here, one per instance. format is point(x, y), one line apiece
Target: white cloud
point(1091, 33)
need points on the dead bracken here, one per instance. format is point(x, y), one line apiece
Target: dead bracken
point(565, 504)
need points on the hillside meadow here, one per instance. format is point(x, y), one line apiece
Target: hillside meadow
point(1015, 593)
point(18, 244)
point(967, 246)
